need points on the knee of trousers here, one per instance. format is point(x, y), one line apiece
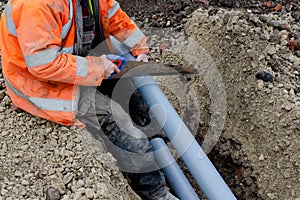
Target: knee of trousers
point(130, 143)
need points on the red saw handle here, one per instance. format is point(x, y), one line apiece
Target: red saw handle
point(119, 61)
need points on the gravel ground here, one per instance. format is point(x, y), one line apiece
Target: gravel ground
point(256, 51)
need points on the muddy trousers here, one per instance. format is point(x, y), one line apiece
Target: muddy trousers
point(107, 121)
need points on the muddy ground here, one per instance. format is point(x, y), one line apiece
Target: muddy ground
point(255, 117)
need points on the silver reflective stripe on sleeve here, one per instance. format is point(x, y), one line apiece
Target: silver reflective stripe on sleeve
point(46, 104)
point(114, 9)
point(9, 22)
point(134, 38)
point(53, 104)
point(42, 57)
point(66, 50)
point(67, 26)
point(82, 66)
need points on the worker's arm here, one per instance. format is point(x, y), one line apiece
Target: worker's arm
point(39, 30)
point(125, 30)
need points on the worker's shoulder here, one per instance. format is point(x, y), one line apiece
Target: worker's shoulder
point(37, 4)
point(111, 3)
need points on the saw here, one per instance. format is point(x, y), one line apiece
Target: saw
point(135, 68)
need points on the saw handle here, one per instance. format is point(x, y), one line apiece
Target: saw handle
point(119, 61)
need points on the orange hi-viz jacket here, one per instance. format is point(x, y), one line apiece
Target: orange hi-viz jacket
point(41, 71)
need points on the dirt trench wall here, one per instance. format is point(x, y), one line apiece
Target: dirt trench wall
point(261, 134)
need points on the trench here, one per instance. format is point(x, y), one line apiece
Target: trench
point(226, 156)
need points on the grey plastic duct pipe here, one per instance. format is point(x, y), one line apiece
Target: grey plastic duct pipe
point(201, 168)
point(175, 176)
point(205, 174)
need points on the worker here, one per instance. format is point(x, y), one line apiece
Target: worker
point(48, 72)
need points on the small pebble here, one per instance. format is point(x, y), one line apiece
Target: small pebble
point(53, 194)
point(265, 76)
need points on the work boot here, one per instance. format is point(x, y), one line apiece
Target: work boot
point(168, 196)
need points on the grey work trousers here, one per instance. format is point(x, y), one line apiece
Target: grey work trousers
point(106, 119)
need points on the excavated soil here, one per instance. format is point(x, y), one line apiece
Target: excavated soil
point(243, 106)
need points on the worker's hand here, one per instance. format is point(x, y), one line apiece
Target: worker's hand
point(142, 57)
point(109, 67)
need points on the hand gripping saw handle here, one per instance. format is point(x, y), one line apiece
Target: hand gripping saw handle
point(119, 61)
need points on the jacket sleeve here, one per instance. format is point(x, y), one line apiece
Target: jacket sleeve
point(125, 30)
point(39, 30)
